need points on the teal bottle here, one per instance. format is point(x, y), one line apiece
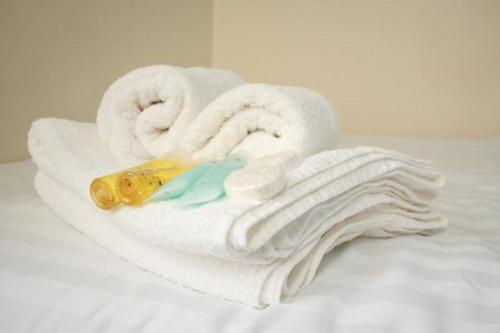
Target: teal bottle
point(180, 184)
point(210, 186)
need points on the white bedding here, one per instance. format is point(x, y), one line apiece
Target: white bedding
point(52, 279)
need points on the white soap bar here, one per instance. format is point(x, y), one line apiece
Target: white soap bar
point(262, 178)
point(257, 182)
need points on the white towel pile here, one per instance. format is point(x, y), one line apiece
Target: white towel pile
point(257, 253)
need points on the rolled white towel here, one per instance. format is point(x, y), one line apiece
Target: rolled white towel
point(263, 119)
point(146, 112)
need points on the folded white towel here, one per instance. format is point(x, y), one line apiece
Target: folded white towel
point(263, 119)
point(146, 112)
point(255, 253)
point(251, 284)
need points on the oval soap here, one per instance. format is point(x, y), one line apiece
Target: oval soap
point(256, 182)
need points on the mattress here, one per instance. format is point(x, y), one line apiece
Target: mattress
point(53, 279)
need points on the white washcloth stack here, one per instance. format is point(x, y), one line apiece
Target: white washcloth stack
point(256, 253)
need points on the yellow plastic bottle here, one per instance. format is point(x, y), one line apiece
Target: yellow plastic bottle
point(134, 187)
point(103, 189)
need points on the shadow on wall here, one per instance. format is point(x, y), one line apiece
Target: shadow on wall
point(408, 68)
point(58, 57)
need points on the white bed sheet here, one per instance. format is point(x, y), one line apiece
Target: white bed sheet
point(53, 279)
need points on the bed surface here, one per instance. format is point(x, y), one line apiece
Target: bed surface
point(53, 279)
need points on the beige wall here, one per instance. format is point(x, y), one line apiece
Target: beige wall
point(406, 68)
point(57, 57)
point(412, 68)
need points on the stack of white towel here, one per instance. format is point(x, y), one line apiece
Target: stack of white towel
point(257, 253)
